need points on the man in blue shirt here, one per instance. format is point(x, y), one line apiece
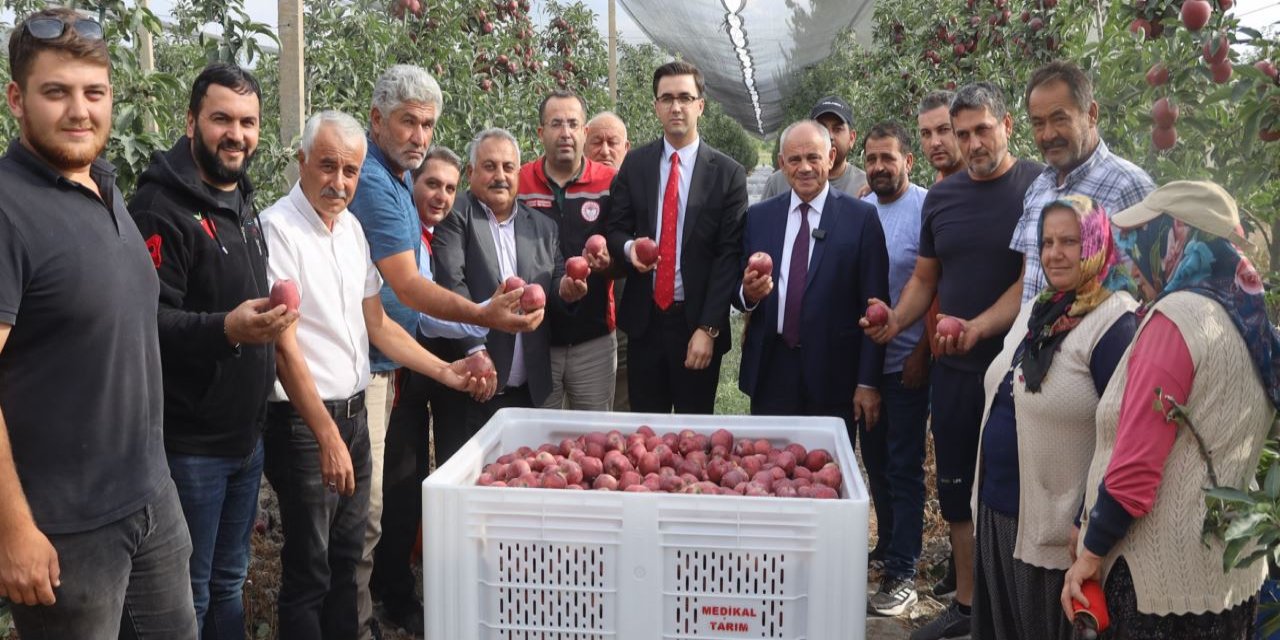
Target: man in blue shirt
point(406, 104)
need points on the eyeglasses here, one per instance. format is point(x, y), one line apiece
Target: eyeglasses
point(50, 28)
point(684, 100)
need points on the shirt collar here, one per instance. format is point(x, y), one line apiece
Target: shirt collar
point(816, 204)
point(1099, 156)
point(299, 201)
point(493, 219)
point(102, 172)
point(572, 179)
point(687, 153)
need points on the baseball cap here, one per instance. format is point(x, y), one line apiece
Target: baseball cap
point(1200, 204)
point(834, 105)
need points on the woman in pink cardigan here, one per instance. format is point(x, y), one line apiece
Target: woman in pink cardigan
point(1204, 343)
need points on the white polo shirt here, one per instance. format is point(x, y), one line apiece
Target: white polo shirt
point(334, 274)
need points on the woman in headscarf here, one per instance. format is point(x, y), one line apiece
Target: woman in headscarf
point(1204, 343)
point(1038, 434)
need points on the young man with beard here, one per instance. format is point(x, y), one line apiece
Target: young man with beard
point(964, 259)
point(92, 540)
point(894, 452)
point(834, 114)
point(573, 191)
point(194, 206)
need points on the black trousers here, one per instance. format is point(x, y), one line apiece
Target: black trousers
point(657, 379)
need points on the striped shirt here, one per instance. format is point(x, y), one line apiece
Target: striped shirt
point(1111, 181)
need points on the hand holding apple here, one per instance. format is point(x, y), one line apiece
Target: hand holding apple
point(755, 286)
point(644, 254)
point(572, 290)
point(879, 332)
point(955, 336)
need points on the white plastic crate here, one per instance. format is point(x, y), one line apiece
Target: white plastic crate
point(543, 564)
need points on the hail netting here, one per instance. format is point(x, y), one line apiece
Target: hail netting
point(751, 51)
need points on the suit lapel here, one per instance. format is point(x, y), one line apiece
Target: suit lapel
point(703, 170)
point(652, 179)
point(830, 219)
point(484, 236)
point(526, 243)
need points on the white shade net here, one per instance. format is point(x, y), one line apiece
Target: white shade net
point(751, 50)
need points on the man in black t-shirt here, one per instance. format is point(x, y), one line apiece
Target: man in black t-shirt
point(968, 219)
point(194, 206)
point(92, 540)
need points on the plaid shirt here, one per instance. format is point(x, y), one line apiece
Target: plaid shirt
point(1111, 181)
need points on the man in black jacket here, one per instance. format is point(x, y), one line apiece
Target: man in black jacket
point(194, 206)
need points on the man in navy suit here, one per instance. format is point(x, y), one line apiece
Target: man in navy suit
point(689, 198)
point(803, 353)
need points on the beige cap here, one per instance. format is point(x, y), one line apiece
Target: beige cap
point(1200, 204)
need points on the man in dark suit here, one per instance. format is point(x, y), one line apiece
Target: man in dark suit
point(690, 198)
point(489, 238)
point(804, 353)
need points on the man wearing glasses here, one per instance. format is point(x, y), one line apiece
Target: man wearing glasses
point(574, 192)
point(93, 543)
point(690, 199)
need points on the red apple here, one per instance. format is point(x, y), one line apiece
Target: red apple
point(595, 245)
point(1158, 75)
point(1269, 135)
point(950, 327)
point(1226, 4)
point(577, 268)
point(285, 292)
point(512, 283)
point(478, 365)
point(1268, 69)
point(1164, 137)
point(1141, 25)
point(646, 251)
point(533, 298)
point(761, 263)
point(1216, 49)
point(1164, 113)
point(1221, 71)
point(877, 315)
point(1195, 14)
point(1036, 24)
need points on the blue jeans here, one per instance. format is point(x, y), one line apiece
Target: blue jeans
point(220, 501)
point(126, 579)
point(323, 531)
point(893, 453)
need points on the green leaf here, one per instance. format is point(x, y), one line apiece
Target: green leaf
point(1272, 482)
point(1242, 529)
point(1231, 553)
point(1230, 495)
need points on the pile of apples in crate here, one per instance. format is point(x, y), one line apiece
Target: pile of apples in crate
point(687, 462)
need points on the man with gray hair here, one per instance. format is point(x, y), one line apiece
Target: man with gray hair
point(489, 238)
point(965, 259)
point(406, 106)
point(317, 439)
point(607, 141)
point(833, 113)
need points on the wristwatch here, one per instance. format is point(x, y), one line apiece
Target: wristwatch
point(711, 331)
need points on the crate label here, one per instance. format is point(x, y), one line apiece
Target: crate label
point(732, 619)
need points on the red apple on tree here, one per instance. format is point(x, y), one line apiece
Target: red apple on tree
point(1216, 49)
point(1163, 138)
point(1164, 113)
point(1158, 75)
point(1221, 71)
point(1195, 14)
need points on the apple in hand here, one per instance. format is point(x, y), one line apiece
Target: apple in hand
point(950, 327)
point(761, 263)
point(595, 245)
point(285, 292)
point(512, 283)
point(533, 298)
point(577, 268)
point(877, 315)
point(646, 251)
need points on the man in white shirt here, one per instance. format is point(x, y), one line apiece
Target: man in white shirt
point(316, 439)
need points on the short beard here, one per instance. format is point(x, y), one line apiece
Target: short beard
point(212, 165)
point(893, 187)
point(63, 158)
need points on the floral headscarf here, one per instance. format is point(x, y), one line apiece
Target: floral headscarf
point(1057, 312)
point(1174, 256)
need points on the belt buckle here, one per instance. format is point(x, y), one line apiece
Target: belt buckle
point(350, 402)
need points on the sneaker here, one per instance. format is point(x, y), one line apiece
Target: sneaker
point(948, 582)
point(951, 624)
point(895, 596)
point(875, 559)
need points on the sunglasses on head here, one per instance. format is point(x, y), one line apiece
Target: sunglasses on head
point(50, 28)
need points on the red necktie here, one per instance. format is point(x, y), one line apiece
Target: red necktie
point(664, 289)
point(426, 239)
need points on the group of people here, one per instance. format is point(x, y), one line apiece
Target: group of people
point(128, 494)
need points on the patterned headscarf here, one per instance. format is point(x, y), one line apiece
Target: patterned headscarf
point(1174, 256)
point(1057, 312)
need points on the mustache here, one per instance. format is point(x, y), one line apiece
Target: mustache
point(1056, 143)
point(881, 175)
point(230, 145)
point(330, 192)
point(502, 184)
